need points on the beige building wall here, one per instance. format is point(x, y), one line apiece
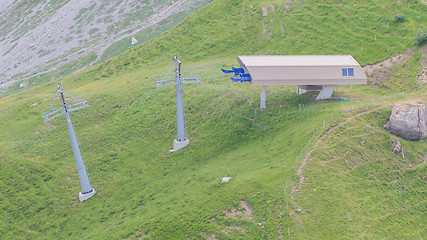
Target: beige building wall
point(305, 76)
point(317, 70)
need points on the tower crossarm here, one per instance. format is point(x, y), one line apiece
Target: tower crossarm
point(77, 106)
point(175, 68)
point(169, 82)
point(53, 113)
point(186, 81)
point(164, 83)
point(50, 115)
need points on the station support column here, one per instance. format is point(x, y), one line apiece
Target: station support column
point(263, 97)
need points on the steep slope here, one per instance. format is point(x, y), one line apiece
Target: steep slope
point(371, 193)
point(143, 191)
point(40, 36)
point(366, 30)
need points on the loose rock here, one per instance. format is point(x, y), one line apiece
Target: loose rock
point(23, 85)
point(134, 41)
point(225, 179)
point(397, 146)
point(408, 121)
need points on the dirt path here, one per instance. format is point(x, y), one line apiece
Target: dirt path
point(308, 154)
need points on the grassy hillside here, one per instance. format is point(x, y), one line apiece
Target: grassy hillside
point(143, 191)
point(230, 28)
point(371, 194)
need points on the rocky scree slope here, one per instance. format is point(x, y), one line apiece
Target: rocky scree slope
point(51, 33)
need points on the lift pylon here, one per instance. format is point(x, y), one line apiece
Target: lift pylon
point(181, 139)
point(87, 189)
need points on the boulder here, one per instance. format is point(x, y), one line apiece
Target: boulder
point(408, 121)
point(134, 41)
point(225, 179)
point(23, 85)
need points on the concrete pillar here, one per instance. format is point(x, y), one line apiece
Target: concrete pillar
point(263, 97)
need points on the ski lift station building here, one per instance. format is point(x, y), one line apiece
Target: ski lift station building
point(308, 72)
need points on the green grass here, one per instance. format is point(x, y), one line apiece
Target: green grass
point(150, 179)
point(145, 191)
point(147, 33)
point(25, 12)
point(421, 38)
point(406, 78)
point(371, 194)
point(142, 36)
point(235, 28)
point(62, 71)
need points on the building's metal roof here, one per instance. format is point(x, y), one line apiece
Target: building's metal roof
point(297, 60)
point(302, 70)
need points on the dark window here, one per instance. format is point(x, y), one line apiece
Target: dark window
point(347, 72)
point(344, 72)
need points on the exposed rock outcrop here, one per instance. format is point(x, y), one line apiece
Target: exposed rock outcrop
point(23, 85)
point(134, 41)
point(397, 146)
point(408, 121)
point(40, 36)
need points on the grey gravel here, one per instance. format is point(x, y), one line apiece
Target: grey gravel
point(35, 33)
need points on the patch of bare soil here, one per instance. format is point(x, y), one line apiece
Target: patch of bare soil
point(380, 72)
point(212, 237)
point(422, 76)
point(242, 212)
point(245, 211)
point(290, 5)
point(265, 9)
